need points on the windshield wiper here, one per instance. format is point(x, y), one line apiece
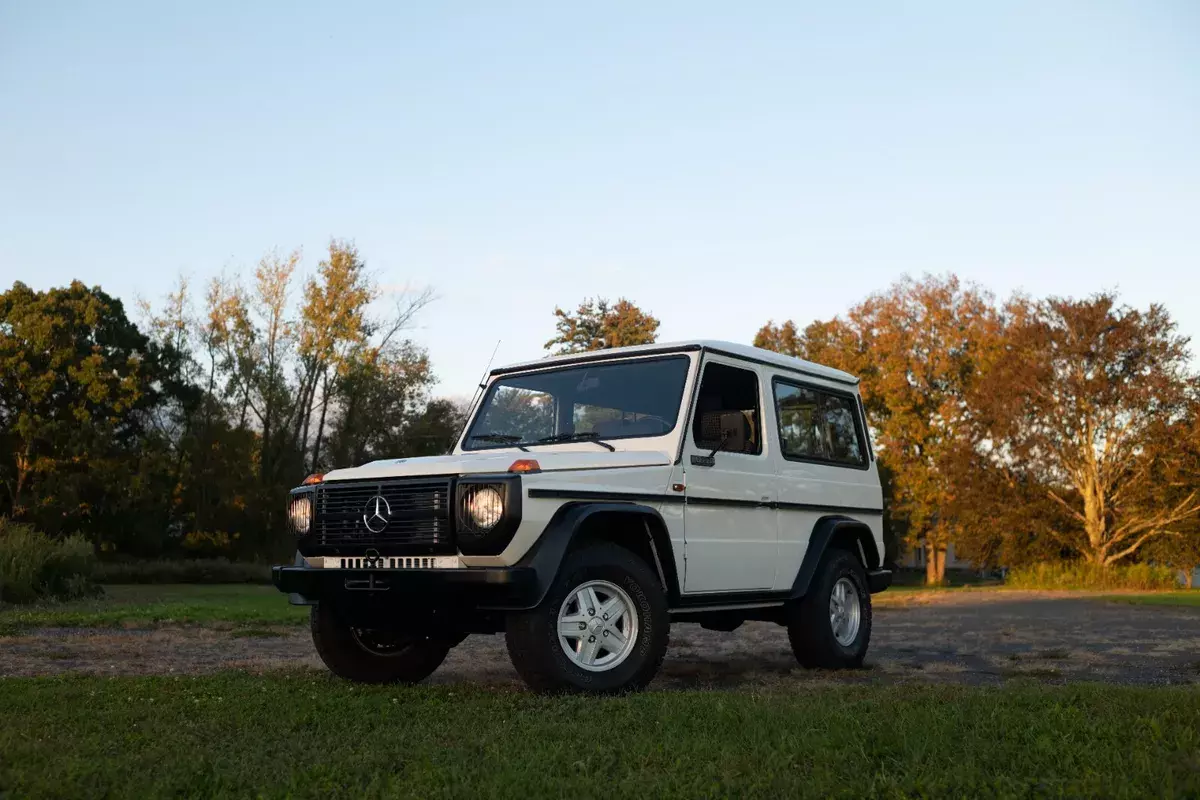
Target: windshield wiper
point(500, 438)
point(590, 436)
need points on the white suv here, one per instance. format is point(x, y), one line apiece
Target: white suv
point(593, 500)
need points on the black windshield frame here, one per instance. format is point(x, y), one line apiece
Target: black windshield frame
point(676, 398)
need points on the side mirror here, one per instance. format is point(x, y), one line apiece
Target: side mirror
point(732, 437)
point(733, 432)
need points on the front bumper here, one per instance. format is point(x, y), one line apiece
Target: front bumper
point(469, 587)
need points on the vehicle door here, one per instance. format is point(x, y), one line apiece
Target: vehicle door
point(729, 520)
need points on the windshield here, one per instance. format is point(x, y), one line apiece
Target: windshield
point(617, 400)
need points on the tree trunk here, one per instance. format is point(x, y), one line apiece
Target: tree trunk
point(935, 564)
point(1191, 576)
point(307, 391)
point(321, 423)
point(1095, 520)
point(24, 469)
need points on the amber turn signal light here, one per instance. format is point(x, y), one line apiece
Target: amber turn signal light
point(316, 477)
point(525, 465)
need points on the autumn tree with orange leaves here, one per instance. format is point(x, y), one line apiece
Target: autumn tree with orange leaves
point(599, 325)
point(1090, 401)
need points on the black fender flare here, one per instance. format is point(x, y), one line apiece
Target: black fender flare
point(823, 533)
point(547, 554)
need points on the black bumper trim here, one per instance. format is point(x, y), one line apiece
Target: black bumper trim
point(480, 587)
point(878, 580)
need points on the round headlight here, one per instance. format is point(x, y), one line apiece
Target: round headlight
point(486, 507)
point(300, 513)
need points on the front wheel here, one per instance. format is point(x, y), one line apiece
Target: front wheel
point(602, 627)
point(373, 656)
point(831, 625)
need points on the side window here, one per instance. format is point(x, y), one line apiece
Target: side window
point(799, 411)
point(840, 431)
point(817, 425)
point(724, 389)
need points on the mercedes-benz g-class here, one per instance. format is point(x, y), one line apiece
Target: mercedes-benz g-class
point(591, 501)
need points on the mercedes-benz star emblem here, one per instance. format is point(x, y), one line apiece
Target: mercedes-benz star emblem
point(376, 513)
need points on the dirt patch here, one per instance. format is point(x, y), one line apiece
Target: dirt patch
point(949, 637)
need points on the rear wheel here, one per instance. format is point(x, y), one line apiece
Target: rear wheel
point(830, 627)
point(602, 627)
point(373, 656)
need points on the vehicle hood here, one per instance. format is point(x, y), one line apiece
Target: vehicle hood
point(488, 461)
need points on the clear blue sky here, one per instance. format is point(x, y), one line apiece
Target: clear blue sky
point(720, 164)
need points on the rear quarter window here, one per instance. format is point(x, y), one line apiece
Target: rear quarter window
point(818, 425)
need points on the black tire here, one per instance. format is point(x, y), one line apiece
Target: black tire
point(373, 656)
point(810, 629)
point(532, 636)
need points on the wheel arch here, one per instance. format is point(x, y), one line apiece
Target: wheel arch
point(637, 527)
point(838, 531)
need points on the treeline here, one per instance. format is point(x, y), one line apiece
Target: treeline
point(1022, 431)
point(1026, 430)
point(181, 435)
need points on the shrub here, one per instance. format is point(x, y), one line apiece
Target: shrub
point(1080, 575)
point(34, 566)
point(190, 570)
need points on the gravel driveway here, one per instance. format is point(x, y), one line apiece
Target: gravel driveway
point(952, 637)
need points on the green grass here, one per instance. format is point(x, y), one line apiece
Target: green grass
point(1187, 597)
point(236, 604)
point(306, 735)
point(1076, 575)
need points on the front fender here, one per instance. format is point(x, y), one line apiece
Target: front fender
point(550, 550)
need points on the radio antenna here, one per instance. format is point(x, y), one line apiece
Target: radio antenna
point(478, 391)
point(488, 368)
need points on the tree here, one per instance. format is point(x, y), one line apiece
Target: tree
point(77, 381)
point(1175, 454)
point(596, 325)
point(434, 431)
point(918, 349)
point(1073, 406)
point(333, 323)
point(385, 392)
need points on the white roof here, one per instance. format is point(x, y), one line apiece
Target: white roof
point(728, 348)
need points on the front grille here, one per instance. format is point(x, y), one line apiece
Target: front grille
point(384, 514)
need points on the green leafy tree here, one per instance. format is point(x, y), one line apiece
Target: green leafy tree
point(384, 392)
point(77, 384)
point(434, 430)
point(597, 325)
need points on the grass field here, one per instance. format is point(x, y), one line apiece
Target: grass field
point(304, 734)
point(231, 604)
